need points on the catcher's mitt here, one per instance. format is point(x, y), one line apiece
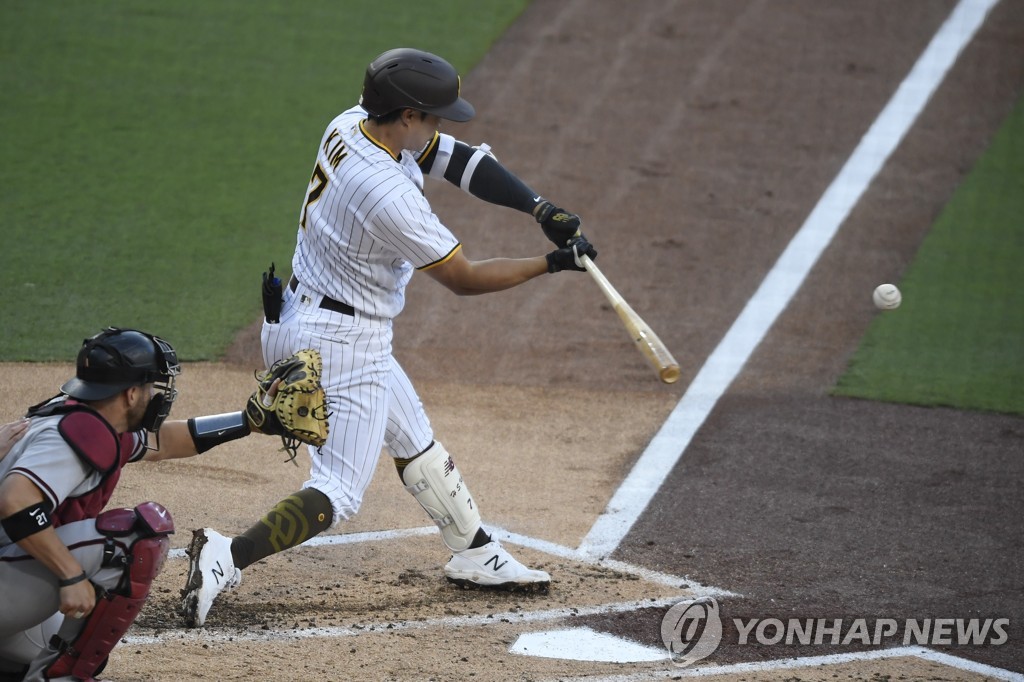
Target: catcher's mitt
point(298, 410)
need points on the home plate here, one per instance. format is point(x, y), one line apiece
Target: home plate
point(583, 644)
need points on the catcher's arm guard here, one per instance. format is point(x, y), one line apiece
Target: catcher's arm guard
point(297, 410)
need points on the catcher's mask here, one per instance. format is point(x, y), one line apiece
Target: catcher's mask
point(117, 359)
point(405, 77)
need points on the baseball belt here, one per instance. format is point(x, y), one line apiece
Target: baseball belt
point(327, 303)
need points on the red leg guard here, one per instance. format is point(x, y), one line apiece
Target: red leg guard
point(115, 612)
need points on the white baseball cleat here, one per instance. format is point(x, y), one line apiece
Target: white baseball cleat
point(492, 566)
point(211, 570)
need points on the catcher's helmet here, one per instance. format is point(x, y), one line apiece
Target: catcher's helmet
point(116, 359)
point(405, 77)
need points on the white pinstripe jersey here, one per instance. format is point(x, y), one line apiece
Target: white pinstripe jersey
point(365, 224)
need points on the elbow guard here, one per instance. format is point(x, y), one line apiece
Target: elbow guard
point(476, 171)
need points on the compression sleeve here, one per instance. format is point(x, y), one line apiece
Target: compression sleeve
point(476, 171)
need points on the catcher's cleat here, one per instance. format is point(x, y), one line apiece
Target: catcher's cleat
point(211, 570)
point(491, 566)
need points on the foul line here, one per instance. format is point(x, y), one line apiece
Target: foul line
point(784, 279)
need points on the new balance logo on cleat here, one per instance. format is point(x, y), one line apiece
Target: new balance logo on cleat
point(210, 572)
point(499, 571)
point(494, 559)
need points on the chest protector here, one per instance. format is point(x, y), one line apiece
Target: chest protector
point(98, 445)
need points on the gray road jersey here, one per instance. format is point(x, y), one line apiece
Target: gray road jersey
point(46, 459)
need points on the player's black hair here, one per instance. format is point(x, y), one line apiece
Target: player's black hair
point(393, 116)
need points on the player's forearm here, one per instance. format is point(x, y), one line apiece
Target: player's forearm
point(175, 442)
point(26, 517)
point(498, 274)
point(46, 547)
point(187, 438)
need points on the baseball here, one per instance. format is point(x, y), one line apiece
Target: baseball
point(887, 297)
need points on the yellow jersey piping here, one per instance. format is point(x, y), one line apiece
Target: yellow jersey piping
point(441, 261)
point(375, 141)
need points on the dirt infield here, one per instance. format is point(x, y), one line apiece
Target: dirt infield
point(694, 138)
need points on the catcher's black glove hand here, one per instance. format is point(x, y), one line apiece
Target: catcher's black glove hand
point(568, 257)
point(558, 224)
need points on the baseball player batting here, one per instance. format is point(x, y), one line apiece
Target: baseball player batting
point(364, 227)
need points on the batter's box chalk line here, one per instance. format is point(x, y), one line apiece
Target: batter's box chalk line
point(681, 582)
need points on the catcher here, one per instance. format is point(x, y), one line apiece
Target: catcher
point(73, 578)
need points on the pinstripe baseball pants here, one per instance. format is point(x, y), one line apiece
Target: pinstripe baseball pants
point(371, 401)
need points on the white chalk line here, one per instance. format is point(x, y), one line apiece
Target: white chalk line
point(551, 548)
point(766, 305)
point(711, 382)
point(504, 618)
point(784, 279)
point(831, 659)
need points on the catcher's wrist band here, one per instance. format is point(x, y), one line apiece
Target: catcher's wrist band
point(212, 430)
point(28, 521)
point(73, 581)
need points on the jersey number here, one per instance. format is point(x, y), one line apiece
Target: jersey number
point(318, 182)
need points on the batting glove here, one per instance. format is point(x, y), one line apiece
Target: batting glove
point(558, 224)
point(568, 257)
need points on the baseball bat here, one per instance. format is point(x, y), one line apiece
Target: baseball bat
point(643, 336)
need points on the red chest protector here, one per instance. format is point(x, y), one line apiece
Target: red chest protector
point(99, 446)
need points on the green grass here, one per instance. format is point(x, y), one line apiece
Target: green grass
point(155, 155)
point(958, 338)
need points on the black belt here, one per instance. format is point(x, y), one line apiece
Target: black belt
point(327, 303)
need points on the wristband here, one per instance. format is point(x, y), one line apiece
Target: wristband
point(213, 430)
point(72, 581)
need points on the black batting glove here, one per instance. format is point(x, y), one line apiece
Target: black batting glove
point(558, 224)
point(568, 257)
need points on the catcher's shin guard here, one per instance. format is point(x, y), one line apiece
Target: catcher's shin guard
point(435, 482)
point(116, 610)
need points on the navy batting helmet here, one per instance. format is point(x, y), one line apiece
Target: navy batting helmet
point(406, 77)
